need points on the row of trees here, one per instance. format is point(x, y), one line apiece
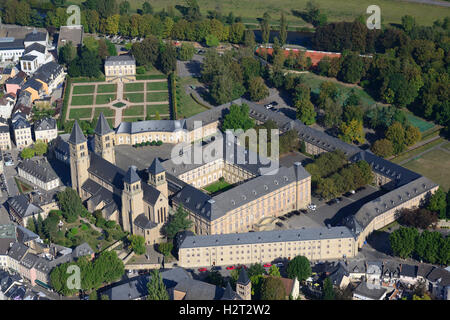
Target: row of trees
point(439, 203)
point(429, 246)
point(106, 268)
point(397, 139)
point(152, 51)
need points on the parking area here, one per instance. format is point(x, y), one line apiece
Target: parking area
point(191, 68)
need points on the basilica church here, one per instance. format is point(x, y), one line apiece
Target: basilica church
point(139, 205)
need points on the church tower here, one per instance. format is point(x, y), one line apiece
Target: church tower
point(132, 199)
point(104, 140)
point(157, 177)
point(79, 158)
point(244, 286)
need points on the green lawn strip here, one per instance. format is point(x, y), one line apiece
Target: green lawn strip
point(134, 111)
point(83, 89)
point(157, 86)
point(106, 88)
point(132, 119)
point(80, 113)
point(187, 106)
point(82, 100)
point(134, 86)
point(417, 151)
point(134, 97)
point(160, 108)
point(104, 98)
point(150, 76)
point(217, 186)
point(434, 165)
point(157, 96)
point(106, 111)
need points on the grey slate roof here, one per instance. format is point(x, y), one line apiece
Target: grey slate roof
point(48, 72)
point(266, 236)
point(408, 270)
point(229, 294)
point(131, 176)
point(41, 171)
point(34, 47)
point(5, 244)
point(386, 202)
point(25, 235)
point(28, 57)
point(20, 123)
point(22, 206)
point(35, 36)
point(11, 43)
point(18, 251)
point(156, 167)
point(123, 59)
point(102, 127)
point(77, 136)
point(439, 275)
point(45, 124)
point(7, 231)
point(199, 290)
point(143, 222)
point(243, 277)
point(82, 250)
point(151, 126)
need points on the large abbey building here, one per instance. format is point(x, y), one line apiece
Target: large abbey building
point(139, 206)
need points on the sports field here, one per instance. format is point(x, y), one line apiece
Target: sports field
point(348, 10)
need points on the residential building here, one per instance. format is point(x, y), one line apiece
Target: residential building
point(14, 84)
point(7, 103)
point(408, 274)
point(121, 67)
point(5, 137)
point(23, 207)
point(22, 131)
point(59, 148)
point(368, 291)
point(39, 172)
point(6, 73)
point(45, 130)
point(52, 75)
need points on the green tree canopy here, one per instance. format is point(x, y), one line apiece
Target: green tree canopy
point(273, 289)
point(156, 287)
point(238, 118)
point(177, 222)
point(299, 267)
point(137, 244)
point(403, 241)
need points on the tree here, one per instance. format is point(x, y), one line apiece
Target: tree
point(403, 241)
point(137, 244)
point(352, 69)
point(27, 153)
point(419, 218)
point(124, 7)
point(306, 112)
point(257, 89)
point(93, 295)
point(211, 40)
point(70, 204)
point(352, 132)
point(165, 248)
point(177, 222)
point(438, 203)
point(167, 59)
point(67, 53)
point(237, 32)
point(383, 148)
point(299, 267)
point(255, 270)
point(238, 118)
point(215, 277)
point(412, 135)
point(249, 39)
point(427, 246)
point(265, 28)
point(408, 23)
point(40, 148)
point(396, 134)
point(156, 287)
point(186, 52)
point(104, 297)
point(328, 290)
point(283, 29)
point(273, 289)
point(333, 113)
point(147, 8)
point(274, 271)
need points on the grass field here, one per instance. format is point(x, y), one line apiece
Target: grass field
point(104, 98)
point(106, 88)
point(446, 146)
point(106, 111)
point(150, 76)
point(157, 96)
point(217, 186)
point(419, 150)
point(134, 111)
point(160, 108)
point(82, 100)
point(434, 165)
point(157, 86)
point(130, 87)
point(134, 97)
point(132, 119)
point(419, 123)
point(80, 113)
point(187, 107)
point(348, 10)
point(83, 89)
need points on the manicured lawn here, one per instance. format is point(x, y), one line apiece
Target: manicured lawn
point(217, 186)
point(157, 96)
point(83, 89)
point(106, 111)
point(132, 119)
point(434, 165)
point(104, 98)
point(160, 108)
point(22, 186)
point(419, 122)
point(80, 113)
point(150, 76)
point(119, 105)
point(187, 107)
point(134, 86)
point(134, 97)
point(157, 86)
point(106, 88)
point(417, 151)
point(82, 100)
point(134, 111)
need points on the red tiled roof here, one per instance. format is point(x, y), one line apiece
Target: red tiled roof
point(315, 56)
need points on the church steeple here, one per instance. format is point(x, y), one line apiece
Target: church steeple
point(79, 158)
point(157, 177)
point(132, 199)
point(104, 139)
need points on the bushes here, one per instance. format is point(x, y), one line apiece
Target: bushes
point(148, 143)
point(165, 248)
point(173, 95)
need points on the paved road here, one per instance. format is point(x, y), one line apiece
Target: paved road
point(190, 68)
point(431, 2)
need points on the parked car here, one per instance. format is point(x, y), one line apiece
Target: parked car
point(274, 103)
point(279, 224)
point(242, 266)
point(312, 207)
point(216, 268)
point(297, 213)
point(231, 268)
point(267, 265)
point(202, 269)
point(279, 264)
point(268, 106)
point(352, 191)
point(282, 218)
